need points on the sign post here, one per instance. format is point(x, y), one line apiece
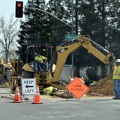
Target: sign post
point(28, 86)
point(77, 88)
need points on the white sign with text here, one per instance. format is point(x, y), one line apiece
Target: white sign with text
point(28, 86)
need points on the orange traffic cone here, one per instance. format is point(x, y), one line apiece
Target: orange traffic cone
point(82, 79)
point(37, 97)
point(17, 96)
point(71, 79)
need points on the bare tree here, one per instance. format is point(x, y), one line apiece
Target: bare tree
point(8, 35)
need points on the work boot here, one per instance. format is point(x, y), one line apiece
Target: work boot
point(116, 98)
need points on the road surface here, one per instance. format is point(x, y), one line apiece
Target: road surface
point(54, 108)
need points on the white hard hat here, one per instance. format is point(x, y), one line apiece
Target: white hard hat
point(55, 89)
point(118, 60)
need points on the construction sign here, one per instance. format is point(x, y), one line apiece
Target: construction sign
point(28, 86)
point(77, 88)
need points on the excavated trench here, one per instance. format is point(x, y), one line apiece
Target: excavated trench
point(103, 87)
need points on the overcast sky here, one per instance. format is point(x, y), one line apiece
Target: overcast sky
point(7, 8)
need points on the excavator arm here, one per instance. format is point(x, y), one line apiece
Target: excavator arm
point(88, 44)
point(65, 49)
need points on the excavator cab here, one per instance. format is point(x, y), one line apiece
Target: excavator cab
point(28, 69)
point(43, 49)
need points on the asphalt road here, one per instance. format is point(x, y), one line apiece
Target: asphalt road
point(53, 108)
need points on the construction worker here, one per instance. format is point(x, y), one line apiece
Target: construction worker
point(49, 90)
point(41, 62)
point(116, 78)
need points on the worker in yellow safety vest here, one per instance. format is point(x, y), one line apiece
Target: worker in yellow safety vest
point(116, 78)
point(49, 90)
point(41, 62)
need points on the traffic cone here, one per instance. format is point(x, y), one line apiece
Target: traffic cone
point(37, 99)
point(71, 79)
point(82, 79)
point(17, 96)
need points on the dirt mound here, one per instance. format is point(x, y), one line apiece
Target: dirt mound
point(103, 87)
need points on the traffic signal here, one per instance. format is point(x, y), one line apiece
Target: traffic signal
point(19, 9)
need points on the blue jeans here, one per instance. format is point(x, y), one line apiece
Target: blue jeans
point(39, 66)
point(43, 66)
point(117, 88)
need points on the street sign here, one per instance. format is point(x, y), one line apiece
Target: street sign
point(28, 86)
point(77, 87)
point(70, 37)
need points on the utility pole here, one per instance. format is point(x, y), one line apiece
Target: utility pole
point(72, 56)
point(76, 18)
point(77, 63)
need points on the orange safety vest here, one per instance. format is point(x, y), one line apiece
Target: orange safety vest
point(116, 73)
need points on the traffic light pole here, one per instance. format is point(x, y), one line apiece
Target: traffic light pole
point(52, 16)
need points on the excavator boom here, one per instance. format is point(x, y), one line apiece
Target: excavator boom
point(65, 49)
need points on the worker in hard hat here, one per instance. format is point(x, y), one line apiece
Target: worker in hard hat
point(49, 90)
point(116, 78)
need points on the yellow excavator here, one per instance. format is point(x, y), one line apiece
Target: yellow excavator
point(6, 71)
point(17, 65)
point(9, 70)
point(52, 77)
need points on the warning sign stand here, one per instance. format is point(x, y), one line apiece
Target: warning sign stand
point(77, 88)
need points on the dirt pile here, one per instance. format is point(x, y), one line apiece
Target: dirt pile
point(103, 87)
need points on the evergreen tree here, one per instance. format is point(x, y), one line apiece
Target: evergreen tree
point(40, 27)
point(87, 21)
point(99, 20)
point(59, 19)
